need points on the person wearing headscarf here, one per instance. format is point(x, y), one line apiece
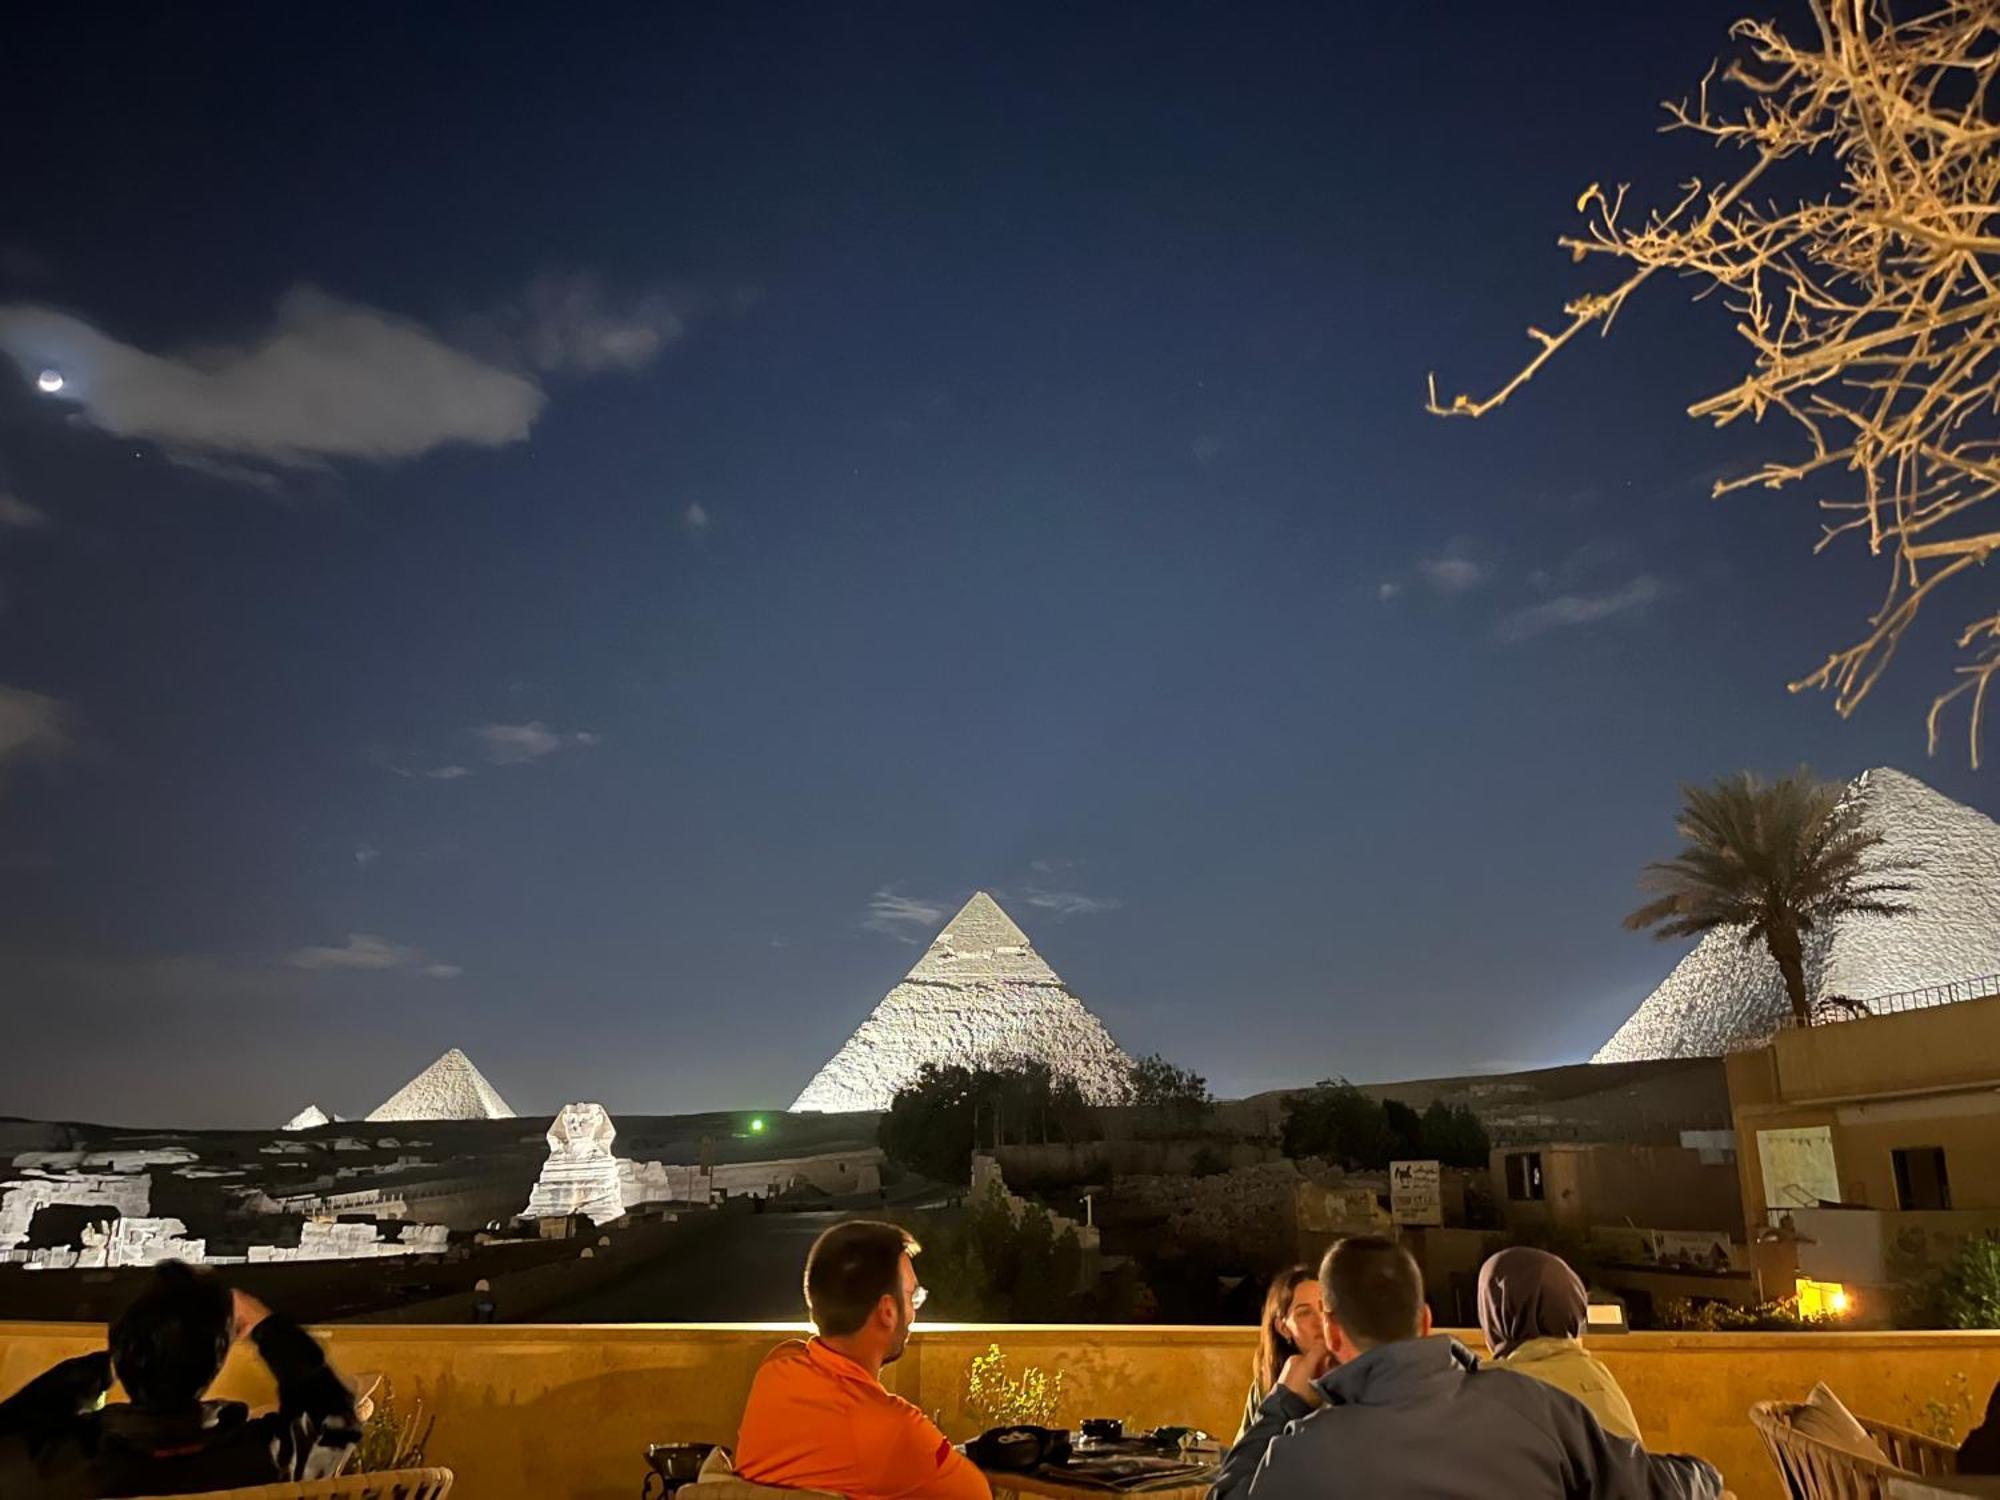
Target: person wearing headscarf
point(1532, 1308)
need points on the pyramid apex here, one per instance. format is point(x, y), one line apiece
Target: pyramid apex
point(980, 994)
point(452, 1088)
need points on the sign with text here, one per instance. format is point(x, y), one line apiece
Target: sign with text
point(1414, 1197)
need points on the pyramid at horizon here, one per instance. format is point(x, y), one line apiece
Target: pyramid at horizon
point(981, 994)
point(1723, 995)
point(449, 1089)
point(309, 1118)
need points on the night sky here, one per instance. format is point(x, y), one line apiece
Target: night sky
point(581, 536)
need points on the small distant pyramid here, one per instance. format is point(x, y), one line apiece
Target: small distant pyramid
point(981, 994)
point(1724, 994)
point(449, 1089)
point(309, 1118)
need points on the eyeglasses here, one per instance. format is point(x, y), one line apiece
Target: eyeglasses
point(918, 1297)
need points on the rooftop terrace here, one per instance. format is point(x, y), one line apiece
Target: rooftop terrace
point(565, 1413)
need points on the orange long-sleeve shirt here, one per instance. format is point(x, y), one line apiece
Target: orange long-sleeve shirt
point(817, 1421)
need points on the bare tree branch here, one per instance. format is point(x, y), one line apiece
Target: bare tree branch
point(1871, 314)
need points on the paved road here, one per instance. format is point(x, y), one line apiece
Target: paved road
point(745, 1269)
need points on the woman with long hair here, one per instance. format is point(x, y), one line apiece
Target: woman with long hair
point(1294, 1323)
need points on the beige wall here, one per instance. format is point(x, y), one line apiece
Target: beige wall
point(1653, 1187)
point(1922, 1078)
point(564, 1413)
point(1946, 1046)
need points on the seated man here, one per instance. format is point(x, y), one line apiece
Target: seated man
point(818, 1418)
point(1407, 1414)
point(59, 1440)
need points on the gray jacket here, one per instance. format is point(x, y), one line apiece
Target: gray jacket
point(1421, 1419)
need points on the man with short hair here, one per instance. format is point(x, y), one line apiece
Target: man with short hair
point(58, 1440)
point(1408, 1414)
point(818, 1417)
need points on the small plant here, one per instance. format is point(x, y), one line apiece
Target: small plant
point(390, 1440)
point(1966, 1292)
point(1781, 1316)
point(996, 1399)
point(1947, 1417)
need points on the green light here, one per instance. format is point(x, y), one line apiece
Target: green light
point(757, 1125)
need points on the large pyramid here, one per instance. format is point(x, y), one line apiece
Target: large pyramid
point(981, 994)
point(449, 1089)
point(1723, 994)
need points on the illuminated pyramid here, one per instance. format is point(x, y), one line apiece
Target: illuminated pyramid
point(980, 995)
point(1723, 994)
point(449, 1089)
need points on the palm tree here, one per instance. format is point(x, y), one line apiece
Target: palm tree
point(1774, 860)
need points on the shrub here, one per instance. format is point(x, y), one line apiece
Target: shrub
point(994, 1398)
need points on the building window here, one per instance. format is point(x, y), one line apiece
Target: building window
point(1524, 1176)
point(1920, 1177)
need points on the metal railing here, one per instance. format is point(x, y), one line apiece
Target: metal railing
point(1925, 998)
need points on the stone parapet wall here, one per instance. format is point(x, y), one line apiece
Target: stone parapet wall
point(564, 1413)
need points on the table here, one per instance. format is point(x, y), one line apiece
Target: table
point(1940, 1486)
point(1053, 1487)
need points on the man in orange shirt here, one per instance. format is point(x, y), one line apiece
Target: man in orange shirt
point(818, 1418)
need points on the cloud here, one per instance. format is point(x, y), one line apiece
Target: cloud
point(17, 515)
point(1566, 610)
point(895, 915)
point(365, 952)
point(1387, 590)
point(447, 773)
point(31, 725)
point(696, 517)
point(568, 325)
point(1071, 903)
point(1452, 572)
point(328, 380)
point(366, 855)
point(521, 744)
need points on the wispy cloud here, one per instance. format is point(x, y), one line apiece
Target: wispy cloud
point(365, 952)
point(1565, 611)
point(446, 773)
point(901, 917)
point(327, 380)
point(1070, 903)
point(32, 725)
point(572, 325)
point(17, 515)
point(366, 855)
point(330, 380)
point(521, 744)
point(696, 517)
point(1453, 571)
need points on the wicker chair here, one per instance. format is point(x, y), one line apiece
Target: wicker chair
point(390, 1484)
point(1816, 1470)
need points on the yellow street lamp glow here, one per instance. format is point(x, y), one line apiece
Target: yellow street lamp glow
point(1823, 1299)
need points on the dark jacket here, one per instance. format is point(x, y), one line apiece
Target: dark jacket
point(1980, 1452)
point(1420, 1419)
point(56, 1444)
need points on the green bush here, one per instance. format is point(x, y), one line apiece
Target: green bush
point(1964, 1292)
point(939, 1117)
point(1337, 1121)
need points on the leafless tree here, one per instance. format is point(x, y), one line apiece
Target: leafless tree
point(1871, 312)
